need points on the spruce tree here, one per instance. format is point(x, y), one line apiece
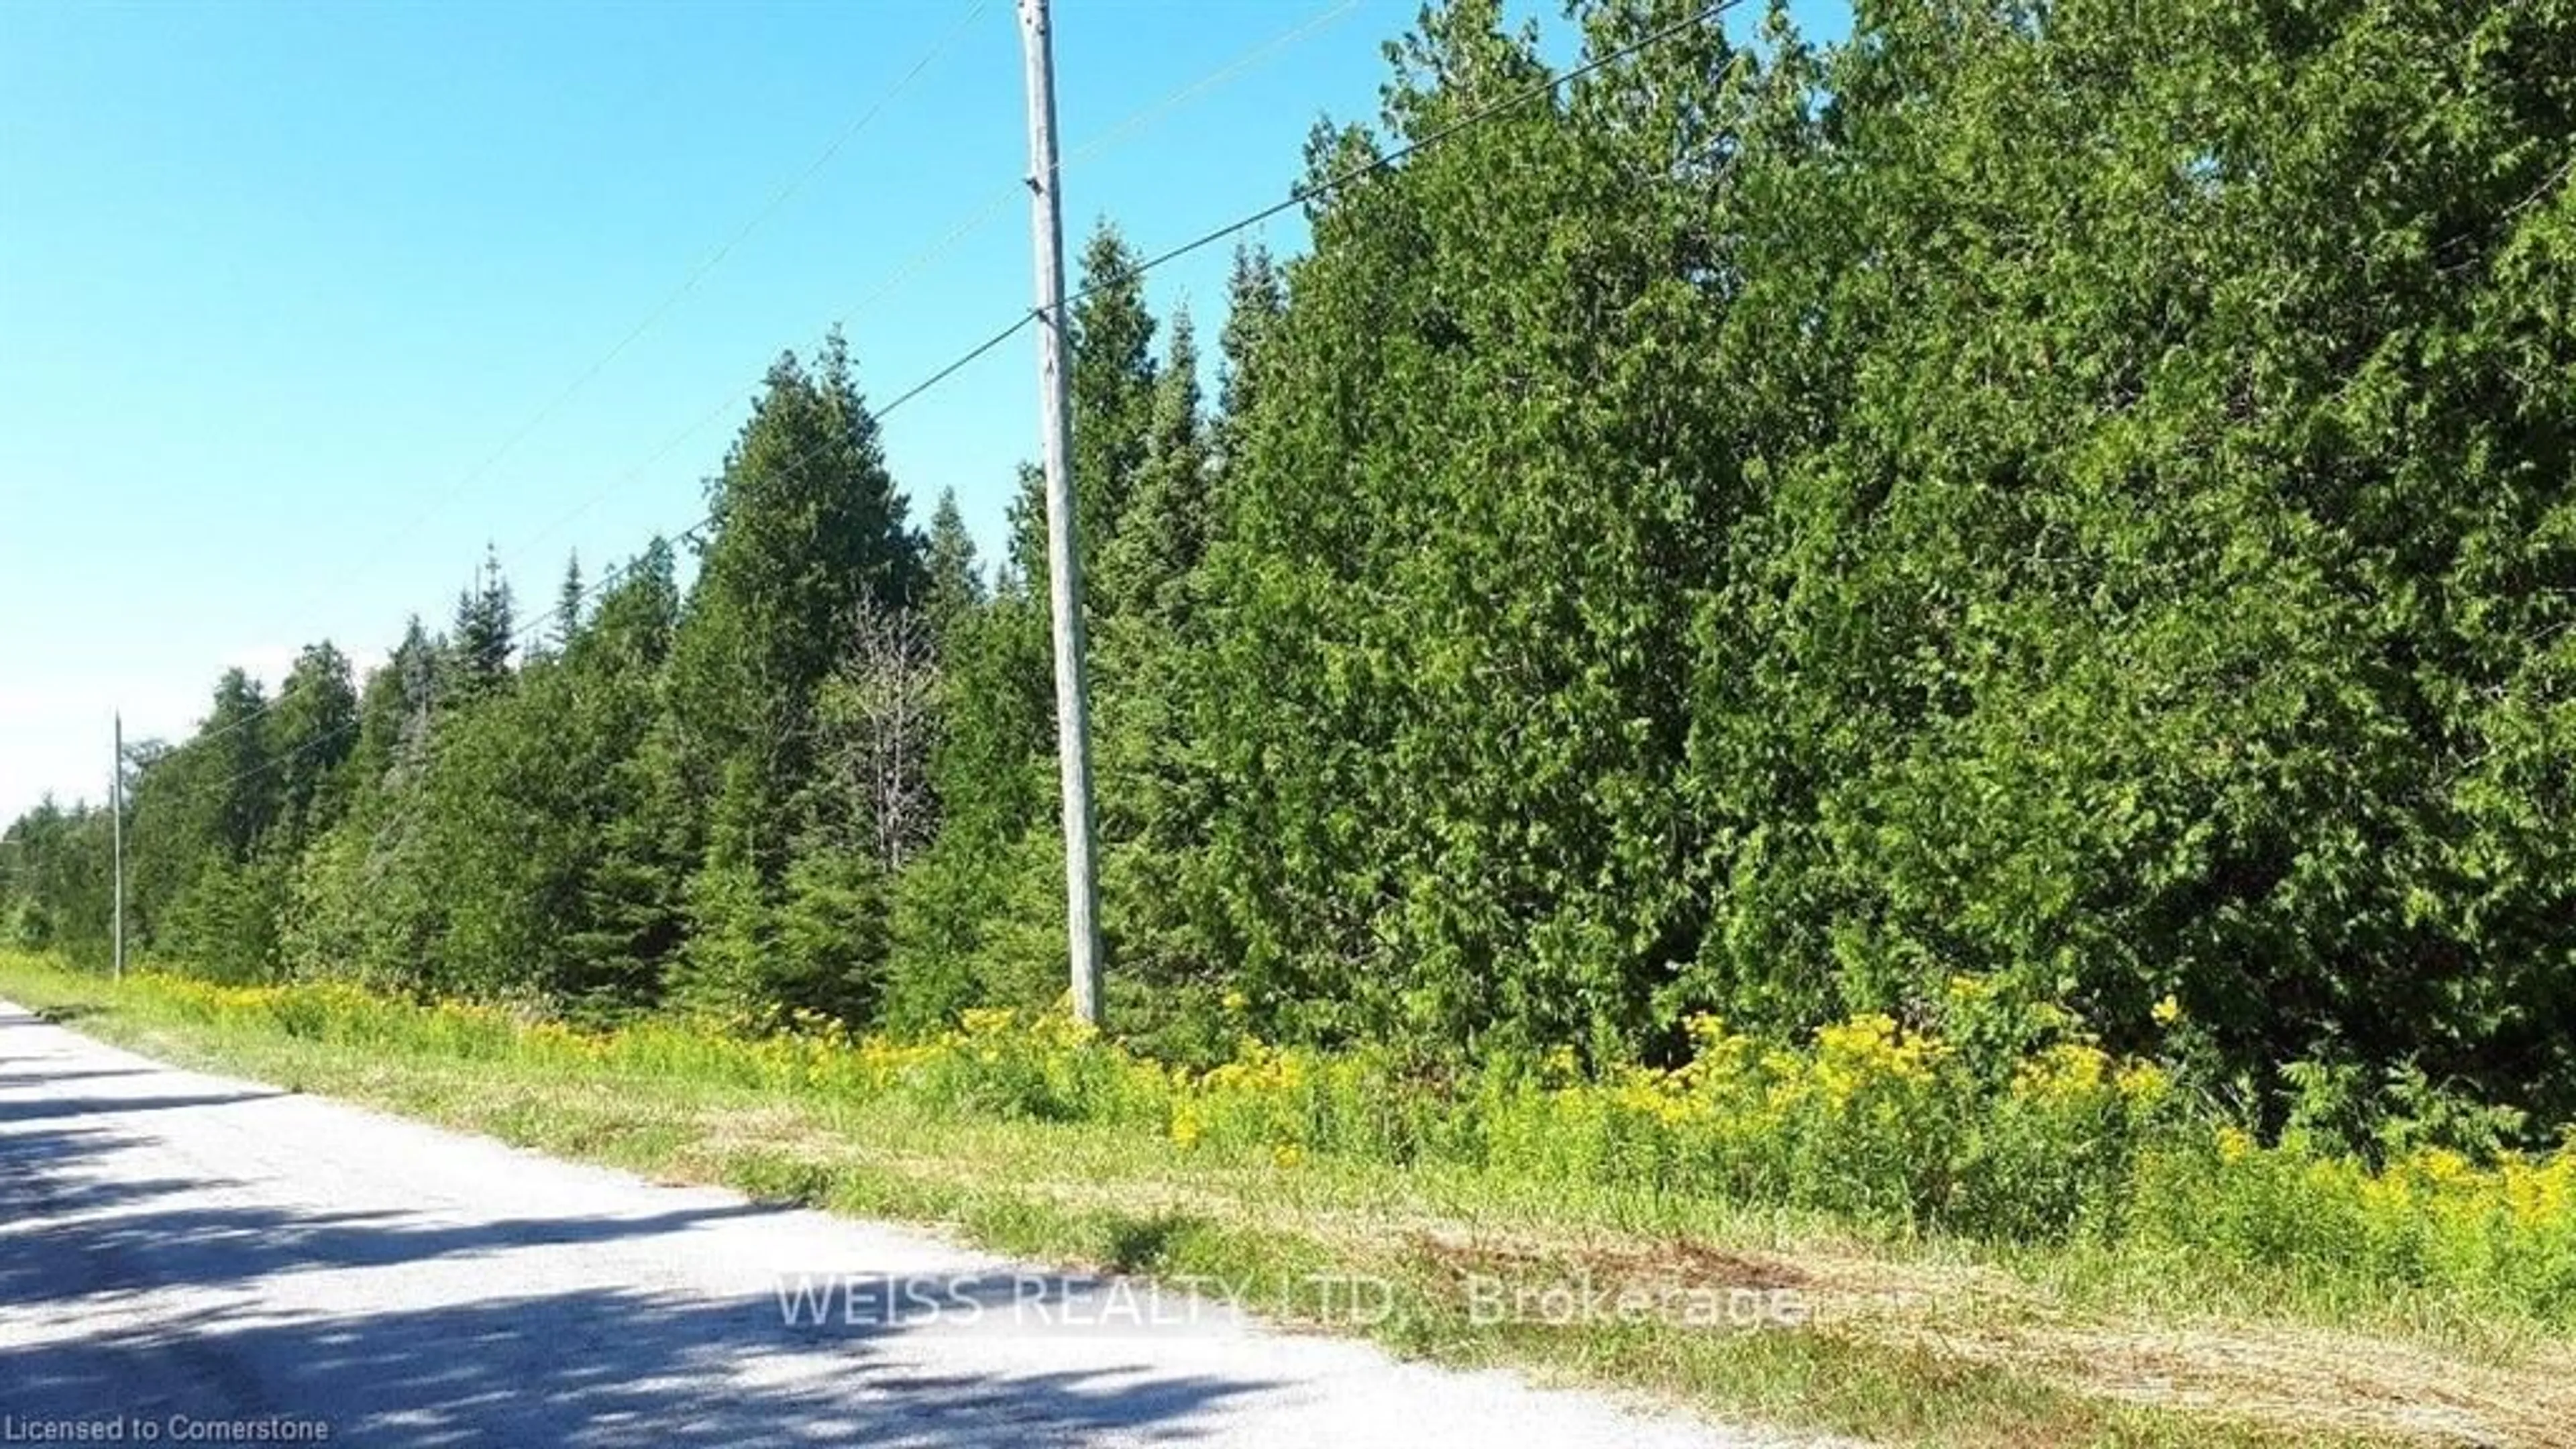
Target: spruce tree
point(808, 527)
point(954, 582)
point(1111, 386)
point(479, 646)
point(570, 598)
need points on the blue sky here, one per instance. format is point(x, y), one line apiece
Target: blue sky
point(300, 304)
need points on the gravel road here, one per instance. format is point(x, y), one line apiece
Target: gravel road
point(192, 1259)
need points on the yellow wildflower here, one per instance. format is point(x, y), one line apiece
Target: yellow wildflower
point(2068, 1069)
point(2144, 1082)
point(1707, 1029)
point(1559, 1065)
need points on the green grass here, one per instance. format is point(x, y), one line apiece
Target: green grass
point(1925, 1341)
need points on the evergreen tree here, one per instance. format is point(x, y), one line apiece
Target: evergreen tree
point(393, 713)
point(808, 527)
point(638, 615)
point(1767, 529)
point(1111, 384)
point(1148, 577)
point(1110, 389)
point(54, 880)
point(314, 725)
point(486, 623)
point(201, 815)
point(569, 600)
point(646, 832)
point(1255, 296)
point(1157, 541)
point(953, 578)
point(362, 900)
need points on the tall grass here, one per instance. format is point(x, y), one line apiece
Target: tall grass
point(2031, 1134)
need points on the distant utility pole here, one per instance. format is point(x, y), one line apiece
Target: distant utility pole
point(116, 833)
point(1064, 562)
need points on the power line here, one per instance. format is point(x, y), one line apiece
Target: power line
point(1108, 140)
point(1297, 197)
point(950, 369)
point(688, 284)
point(1304, 194)
point(1125, 129)
point(669, 445)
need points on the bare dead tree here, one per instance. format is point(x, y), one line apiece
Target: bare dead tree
point(879, 719)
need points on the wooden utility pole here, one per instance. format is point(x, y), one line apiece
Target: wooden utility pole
point(1064, 561)
point(116, 833)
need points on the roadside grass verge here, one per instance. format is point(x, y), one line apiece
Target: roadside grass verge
point(1505, 1218)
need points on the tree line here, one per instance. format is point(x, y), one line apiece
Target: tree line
point(2071, 494)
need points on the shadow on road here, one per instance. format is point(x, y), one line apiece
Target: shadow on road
point(25, 1108)
point(128, 1288)
point(211, 1247)
point(594, 1367)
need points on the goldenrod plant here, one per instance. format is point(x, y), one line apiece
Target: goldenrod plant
point(1900, 1133)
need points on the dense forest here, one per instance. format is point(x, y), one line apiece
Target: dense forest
point(2069, 493)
